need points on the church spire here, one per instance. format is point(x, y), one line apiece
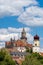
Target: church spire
point(23, 34)
point(23, 30)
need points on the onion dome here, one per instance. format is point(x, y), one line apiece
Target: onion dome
point(36, 37)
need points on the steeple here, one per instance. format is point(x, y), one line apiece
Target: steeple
point(23, 30)
point(23, 34)
point(11, 40)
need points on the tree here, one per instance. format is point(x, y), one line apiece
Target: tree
point(5, 58)
point(29, 50)
point(32, 59)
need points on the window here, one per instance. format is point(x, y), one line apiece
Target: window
point(35, 44)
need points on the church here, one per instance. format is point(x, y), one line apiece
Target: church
point(18, 45)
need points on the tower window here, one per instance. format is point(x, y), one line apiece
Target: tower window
point(35, 44)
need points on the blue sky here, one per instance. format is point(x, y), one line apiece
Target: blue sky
point(41, 3)
point(18, 17)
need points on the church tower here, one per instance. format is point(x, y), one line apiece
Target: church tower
point(36, 45)
point(23, 35)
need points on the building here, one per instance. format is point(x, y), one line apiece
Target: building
point(10, 44)
point(23, 35)
point(17, 48)
point(36, 44)
point(18, 45)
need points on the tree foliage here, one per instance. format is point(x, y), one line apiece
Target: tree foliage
point(33, 59)
point(29, 50)
point(5, 58)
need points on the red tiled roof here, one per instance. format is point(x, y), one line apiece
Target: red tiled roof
point(29, 45)
point(10, 49)
point(16, 57)
point(41, 54)
point(20, 43)
point(8, 43)
point(19, 61)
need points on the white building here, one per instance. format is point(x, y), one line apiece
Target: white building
point(36, 44)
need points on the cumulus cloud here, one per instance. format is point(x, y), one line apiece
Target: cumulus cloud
point(31, 16)
point(2, 45)
point(14, 7)
point(13, 30)
point(29, 38)
point(10, 29)
point(7, 37)
point(6, 34)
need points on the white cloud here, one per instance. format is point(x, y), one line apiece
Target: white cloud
point(29, 38)
point(33, 16)
point(2, 45)
point(6, 34)
point(13, 30)
point(7, 37)
point(14, 7)
point(10, 29)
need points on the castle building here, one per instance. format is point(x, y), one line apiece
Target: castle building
point(18, 45)
point(10, 44)
point(36, 44)
point(18, 48)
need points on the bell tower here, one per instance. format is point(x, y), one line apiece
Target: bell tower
point(23, 35)
point(36, 44)
point(36, 41)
